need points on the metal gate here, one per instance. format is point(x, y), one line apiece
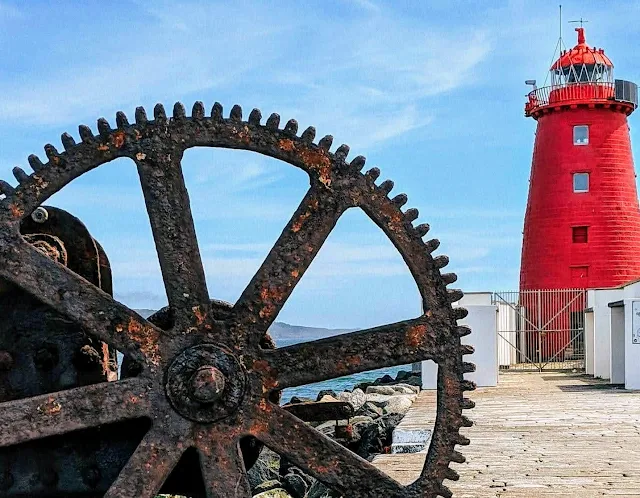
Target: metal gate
point(541, 329)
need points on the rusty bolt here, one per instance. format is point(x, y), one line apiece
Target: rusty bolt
point(91, 476)
point(40, 215)
point(6, 360)
point(207, 384)
point(46, 358)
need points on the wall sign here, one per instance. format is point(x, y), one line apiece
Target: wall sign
point(635, 323)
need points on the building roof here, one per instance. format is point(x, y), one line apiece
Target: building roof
point(582, 54)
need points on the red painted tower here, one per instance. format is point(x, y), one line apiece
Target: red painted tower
point(582, 224)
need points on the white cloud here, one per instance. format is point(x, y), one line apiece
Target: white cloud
point(347, 79)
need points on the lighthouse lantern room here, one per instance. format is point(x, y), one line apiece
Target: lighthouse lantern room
point(582, 222)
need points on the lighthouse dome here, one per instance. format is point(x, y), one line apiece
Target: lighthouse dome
point(582, 63)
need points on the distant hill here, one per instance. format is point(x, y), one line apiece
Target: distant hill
point(283, 332)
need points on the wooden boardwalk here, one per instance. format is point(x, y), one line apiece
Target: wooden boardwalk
point(548, 434)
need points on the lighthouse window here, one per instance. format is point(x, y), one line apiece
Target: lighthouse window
point(581, 135)
point(581, 182)
point(580, 235)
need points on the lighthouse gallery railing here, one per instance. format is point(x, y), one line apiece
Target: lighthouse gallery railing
point(619, 91)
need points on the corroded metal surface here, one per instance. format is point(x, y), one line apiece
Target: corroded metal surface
point(321, 411)
point(235, 334)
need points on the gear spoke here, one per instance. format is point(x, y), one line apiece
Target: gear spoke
point(395, 344)
point(66, 411)
point(148, 468)
point(169, 209)
point(71, 295)
point(223, 470)
point(287, 261)
point(323, 458)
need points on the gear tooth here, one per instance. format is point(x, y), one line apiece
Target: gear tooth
point(443, 491)
point(463, 330)
point(454, 295)
point(467, 404)
point(400, 200)
point(466, 349)
point(216, 112)
point(449, 278)
point(85, 133)
point(468, 385)
point(326, 142)
point(67, 141)
point(255, 116)
point(466, 421)
point(373, 174)
point(342, 152)
point(103, 127)
point(179, 111)
point(50, 151)
point(386, 186)
point(457, 457)
point(159, 113)
point(121, 119)
point(460, 313)
point(461, 440)
point(451, 474)
point(236, 113)
point(197, 111)
point(141, 115)
point(423, 229)
point(358, 163)
point(411, 214)
point(20, 174)
point(308, 135)
point(468, 367)
point(441, 261)
point(291, 127)
point(432, 245)
point(273, 121)
point(35, 162)
point(6, 189)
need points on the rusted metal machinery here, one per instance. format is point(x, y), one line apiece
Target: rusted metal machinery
point(199, 383)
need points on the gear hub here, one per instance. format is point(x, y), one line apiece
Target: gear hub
point(205, 383)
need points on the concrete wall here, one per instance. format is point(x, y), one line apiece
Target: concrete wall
point(632, 344)
point(588, 342)
point(617, 346)
point(599, 300)
point(615, 351)
point(482, 320)
point(507, 331)
point(475, 299)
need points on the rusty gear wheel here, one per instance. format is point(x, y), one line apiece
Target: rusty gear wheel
point(204, 383)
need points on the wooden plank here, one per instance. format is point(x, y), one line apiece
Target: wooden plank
point(549, 434)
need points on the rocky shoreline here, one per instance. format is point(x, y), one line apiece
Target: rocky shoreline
point(379, 407)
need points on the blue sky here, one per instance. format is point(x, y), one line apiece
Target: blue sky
point(431, 92)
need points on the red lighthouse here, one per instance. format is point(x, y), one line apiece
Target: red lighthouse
point(582, 224)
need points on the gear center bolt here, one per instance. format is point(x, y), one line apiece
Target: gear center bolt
point(207, 384)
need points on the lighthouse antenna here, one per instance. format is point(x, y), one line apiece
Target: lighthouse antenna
point(557, 50)
point(560, 6)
